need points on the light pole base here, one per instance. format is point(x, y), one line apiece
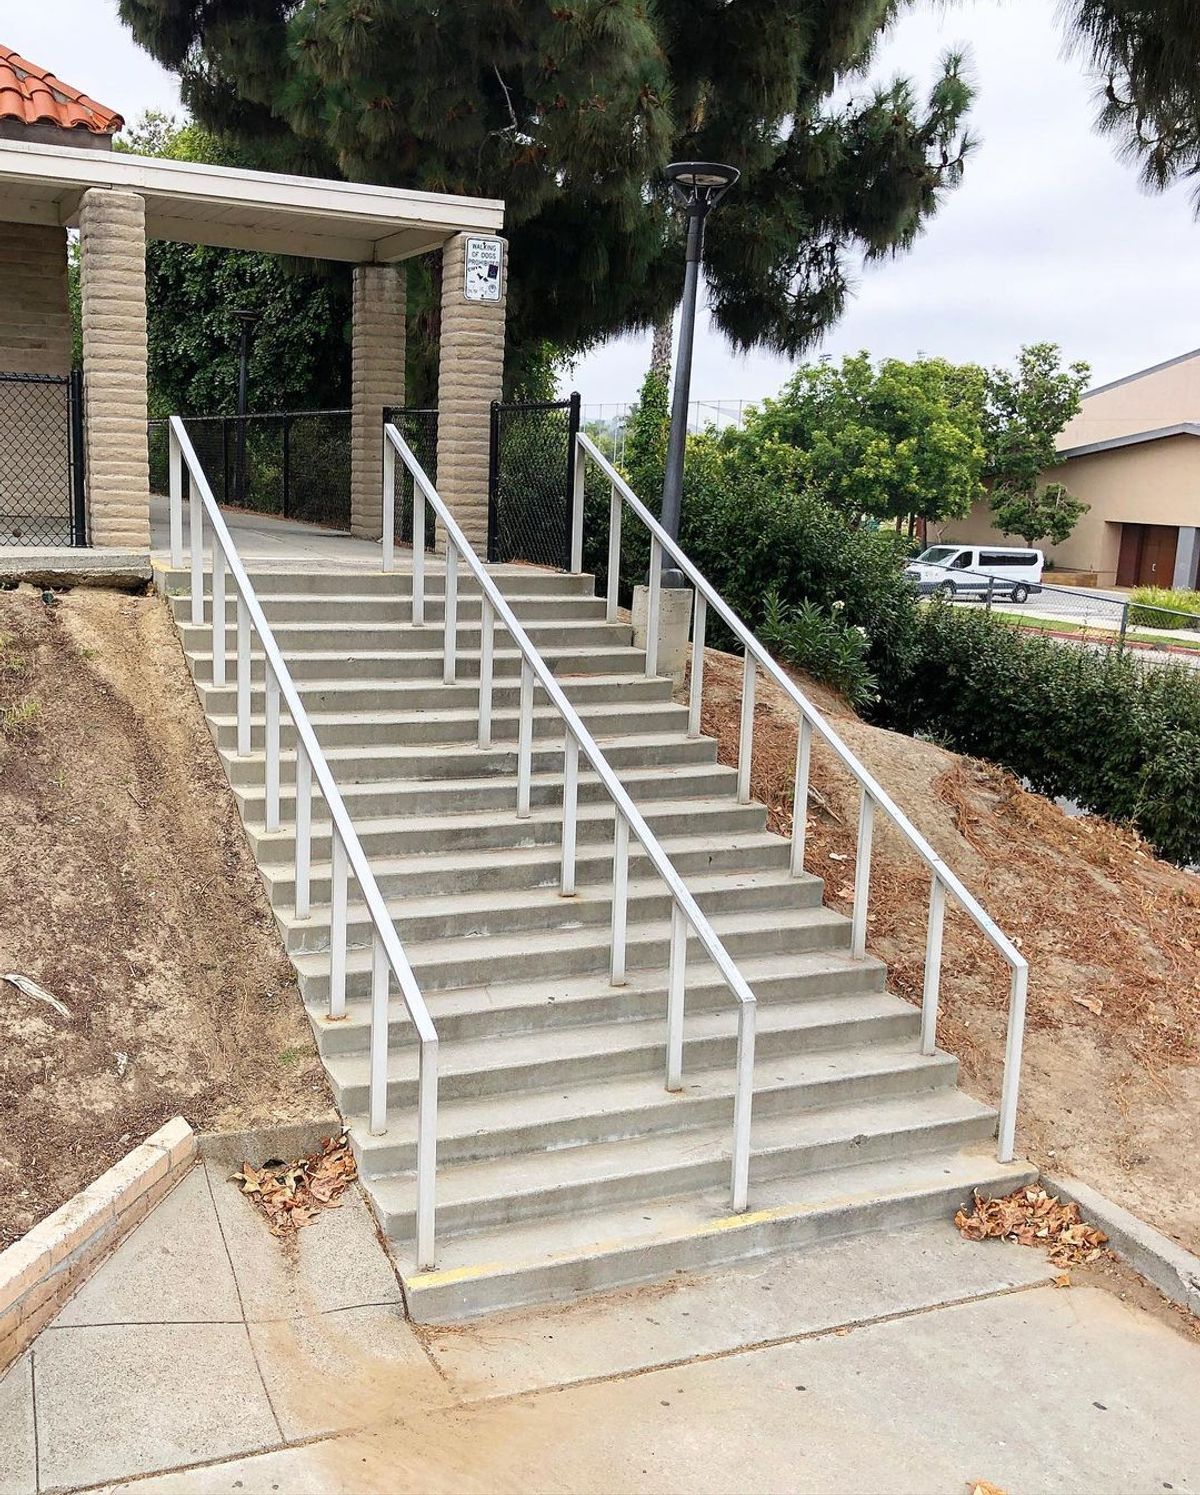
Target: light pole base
point(674, 627)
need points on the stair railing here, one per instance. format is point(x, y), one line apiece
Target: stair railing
point(387, 955)
point(872, 796)
point(686, 914)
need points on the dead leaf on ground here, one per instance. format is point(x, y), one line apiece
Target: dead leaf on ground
point(291, 1195)
point(1093, 1004)
point(983, 1487)
point(1031, 1217)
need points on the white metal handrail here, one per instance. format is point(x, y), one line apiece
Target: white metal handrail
point(387, 957)
point(685, 912)
point(872, 796)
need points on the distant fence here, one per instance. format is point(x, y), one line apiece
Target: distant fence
point(42, 462)
point(295, 464)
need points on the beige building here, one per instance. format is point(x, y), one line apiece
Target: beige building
point(1133, 454)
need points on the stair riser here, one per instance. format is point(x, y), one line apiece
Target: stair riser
point(590, 871)
point(379, 1158)
point(403, 638)
point(394, 664)
point(518, 582)
point(650, 1058)
point(430, 797)
point(461, 761)
point(714, 818)
point(591, 907)
point(333, 611)
point(441, 1300)
point(435, 730)
point(483, 1214)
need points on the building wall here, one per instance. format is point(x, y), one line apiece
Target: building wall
point(1147, 402)
point(1155, 482)
point(35, 317)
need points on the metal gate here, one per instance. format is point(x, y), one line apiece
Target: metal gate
point(529, 481)
point(43, 499)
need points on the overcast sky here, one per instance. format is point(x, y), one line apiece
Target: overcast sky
point(1049, 237)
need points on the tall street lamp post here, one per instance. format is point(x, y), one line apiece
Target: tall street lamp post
point(697, 186)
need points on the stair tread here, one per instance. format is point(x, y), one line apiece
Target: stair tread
point(421, 752)
point(525, 1173)
point(577, 1234)
point(464, 714)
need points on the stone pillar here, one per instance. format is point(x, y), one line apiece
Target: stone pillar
point(1187, 558)
point(470, 374)
point(377, 379)
point(112, 260)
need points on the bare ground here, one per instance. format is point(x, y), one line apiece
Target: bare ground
point(1111, 1079)
point(128, 891)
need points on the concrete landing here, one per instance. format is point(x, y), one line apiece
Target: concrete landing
point(206, 1356)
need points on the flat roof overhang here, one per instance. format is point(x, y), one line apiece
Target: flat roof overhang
point(232, 208)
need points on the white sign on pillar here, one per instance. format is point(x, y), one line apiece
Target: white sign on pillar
point(485, 259)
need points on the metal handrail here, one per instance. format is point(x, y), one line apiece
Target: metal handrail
point(388, 957)
point(872, 794)
point(685, 912)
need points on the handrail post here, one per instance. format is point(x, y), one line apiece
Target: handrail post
point(388, 539)
point(337, 926)
point(676, 972)
point(746, 729)
point(614, 554)
point(243, 678)
point(800, 795)
point(577, 493)
point(862, 876)
point(933, 965)
point(450, 635)
point(653, 603)
point(377, 1087)
point(620, 908)
point(196, 543)
point(525, 741)
point(218, 613)
point(570, 812)
point(303, 833)
point(175, 502)
point(696, 684)
point(418, 555)
point(271, 749)
point(427, 1103)
point(487, 641)
point(743, 1104)
point(1007, 1131)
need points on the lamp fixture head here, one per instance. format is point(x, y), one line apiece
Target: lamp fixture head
point(700, 185)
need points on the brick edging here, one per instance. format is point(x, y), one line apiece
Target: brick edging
point(48, 1265)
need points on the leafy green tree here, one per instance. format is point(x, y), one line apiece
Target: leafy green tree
point(570, 111)
point(1046, 513)
point(646, 440)
point(885, 442)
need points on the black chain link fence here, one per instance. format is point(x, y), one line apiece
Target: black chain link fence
point(42, 483)
point(529, 488)
point(295, 464)
point(419, 427)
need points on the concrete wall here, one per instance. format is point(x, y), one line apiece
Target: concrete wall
point(1154, 482)
point(35, 338)
point(376, 380)
point(1146, 402)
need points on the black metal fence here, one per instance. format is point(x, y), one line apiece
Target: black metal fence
point(419, 427)
point(529, 485)
point(42, 461)
point(295, 464)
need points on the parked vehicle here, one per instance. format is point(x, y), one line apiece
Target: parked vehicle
point(977, 571)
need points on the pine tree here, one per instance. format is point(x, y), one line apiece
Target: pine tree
point(570, 111)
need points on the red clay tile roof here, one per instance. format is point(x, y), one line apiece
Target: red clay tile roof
point(34, 96)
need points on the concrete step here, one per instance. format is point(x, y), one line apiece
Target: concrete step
point(524, 868)
point(413, 664)
point(422, 761)
point(534, 1004)
point(274, 580)
point(482, 914)
point(582, 951)
point(638, 1105)
point(575, 1253)
point(565, 1057)
point(479, 1196)
point(365, 607)
point(498, 794)
point(462, 832)
point(350, 637)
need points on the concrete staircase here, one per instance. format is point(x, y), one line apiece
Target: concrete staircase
point(563, 1164)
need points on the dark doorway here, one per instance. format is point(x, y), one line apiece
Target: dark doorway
point(1147, 557)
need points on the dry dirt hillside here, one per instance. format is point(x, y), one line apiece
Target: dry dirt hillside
point(1111, 1088)
point(128, 892)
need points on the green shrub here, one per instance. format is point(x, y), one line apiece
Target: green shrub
point(1182, 607)
point(819, 642)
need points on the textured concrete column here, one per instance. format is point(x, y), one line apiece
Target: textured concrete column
point(112, 237)
point(1187, 558)
point(377, 379)
point(470, 374)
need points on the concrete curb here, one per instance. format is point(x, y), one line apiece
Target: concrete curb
point(294, 1140)
point(1162, 1261)
point(52, 1261)
point(119, 570)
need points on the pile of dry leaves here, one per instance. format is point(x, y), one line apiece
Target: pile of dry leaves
point(294, 1194)
point(1031, 1217)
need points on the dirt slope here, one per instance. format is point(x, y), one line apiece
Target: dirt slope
point(127, 890)
point(1111, 1081)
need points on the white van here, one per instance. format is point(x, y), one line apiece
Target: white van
point(973, 570)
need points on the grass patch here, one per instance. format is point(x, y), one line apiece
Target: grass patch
point(1097, 630)
point(18, 718)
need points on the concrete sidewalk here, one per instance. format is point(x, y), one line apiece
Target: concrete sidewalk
point(206, 1356)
